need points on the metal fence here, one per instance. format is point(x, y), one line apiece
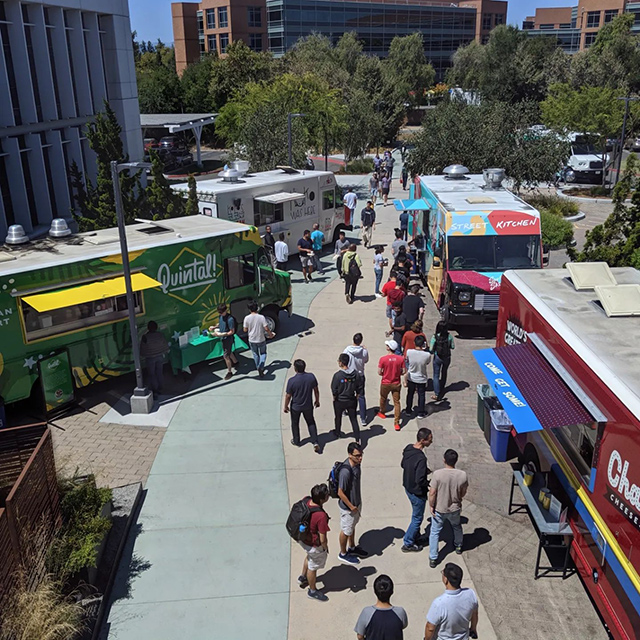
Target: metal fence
point(29, 504)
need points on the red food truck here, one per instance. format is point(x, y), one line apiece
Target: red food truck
point(566, 369)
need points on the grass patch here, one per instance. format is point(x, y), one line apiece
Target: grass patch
point(358, 166)
point(589, 192)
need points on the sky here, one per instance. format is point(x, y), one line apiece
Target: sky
point(152, 18)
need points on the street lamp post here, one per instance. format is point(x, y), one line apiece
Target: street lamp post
point(627, 100)
point(142, 398)
point(289, 136)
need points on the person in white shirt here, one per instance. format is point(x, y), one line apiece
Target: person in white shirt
point(358, 357)
point(350, 201)
point(257, 330)
point(282, 253)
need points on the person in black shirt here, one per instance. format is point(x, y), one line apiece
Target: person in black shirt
point(305, 251)
point(346, 387)
point(399, 325)
point(299, 400)
point(413, 305)
point(269, 243)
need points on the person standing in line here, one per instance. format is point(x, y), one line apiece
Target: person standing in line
point(379, 263)
point(441, 345)
point(417, 363)
point(281, 251)
point(350, 503)
point(405, 177)
point(454, 614)
point(448, 488)
point(373, 187)
point(317, 240)
point(227, 330)
point(391, 368)
point(408, 340)
point(257, 330)
point(342, 245)
point(305, 251)
point(413, 305)
point(315, 543)
point(350, 202)
point(394, 292)
point(346, 388)
point(368, 221)
point(269, 244)
point(382, 621)
point(153, 348)
point(358, 358)
point(404, 224)
point(397, 243)
point(385, 183)
point(351, 272)
point(302, 388)
point(416, 486)
point(399, 325)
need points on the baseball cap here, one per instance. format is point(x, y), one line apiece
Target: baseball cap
point(392, 344)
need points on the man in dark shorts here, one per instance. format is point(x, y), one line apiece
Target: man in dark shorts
point(226, 331)
point(305, 251)
point(299, 400)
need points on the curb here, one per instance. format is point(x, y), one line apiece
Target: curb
point(598, 200)
point(579, 216)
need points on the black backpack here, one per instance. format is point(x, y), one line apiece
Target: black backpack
point(299, 520)
point(442, 347)
point(333, 481)
point(354, 269)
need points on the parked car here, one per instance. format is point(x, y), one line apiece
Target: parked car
point(150, 143)
point(172, 143)
point(612, 144)
point(633, 144)
point(183, 159)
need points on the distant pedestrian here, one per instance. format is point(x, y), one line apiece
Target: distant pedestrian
point(408, 340)
point(385, 184)
point(269, 243)
point(404, 224)
point(405, 177)
point(305, 251)
point(358, 358)
point(315, 543)
point(301, 396)
point(377, 162)
point(391, 368)
point(417, 363)
point(397, 243)
point(416, 485)
point(413, 304)
point(448, 488)
point(317, 240)
point(454, 614)
point(379, 263)
point(382, 621)
point(153, 348)
point(350, 503)
point(441, 345)
point(227, 330)
point(368, 221)
point(281, 251)
point(389, 164)
point(351, 272)
point(350, 202)
point(257, 329)
point(373, 187)
point(342, 245)
point(346, 387)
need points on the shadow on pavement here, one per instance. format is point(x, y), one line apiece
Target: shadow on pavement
point(375, 541)
point(345, 577)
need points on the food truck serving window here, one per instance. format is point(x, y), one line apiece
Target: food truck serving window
point(328, 199)
point(578, 442)
point(239, 271)
point(267, 213)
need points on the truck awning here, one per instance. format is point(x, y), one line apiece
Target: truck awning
point(281, 196)
point(88, 292)
point(535, 394)
point(411, 205)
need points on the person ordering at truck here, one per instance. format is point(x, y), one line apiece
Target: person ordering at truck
point(153, 348)
point(226, 331)
point(305, 251)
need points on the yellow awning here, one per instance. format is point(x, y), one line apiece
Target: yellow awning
point(88, 292)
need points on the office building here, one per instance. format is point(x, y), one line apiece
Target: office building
point(576, 28)
point(444, 25)
point(59, 61)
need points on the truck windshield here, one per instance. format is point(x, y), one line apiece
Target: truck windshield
point(493, 253)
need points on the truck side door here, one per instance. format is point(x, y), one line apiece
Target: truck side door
point(240, 283)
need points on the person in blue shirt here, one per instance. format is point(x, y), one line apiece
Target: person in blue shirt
point(404, 224)
point(317, 240)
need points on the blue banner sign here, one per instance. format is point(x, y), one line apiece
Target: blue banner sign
point(512, 400)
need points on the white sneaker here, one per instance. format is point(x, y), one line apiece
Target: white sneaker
point(378, 295)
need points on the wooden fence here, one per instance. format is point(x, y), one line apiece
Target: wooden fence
point(29, 504)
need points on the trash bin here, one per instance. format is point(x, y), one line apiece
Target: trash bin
point(500, 435)
point(484, 392)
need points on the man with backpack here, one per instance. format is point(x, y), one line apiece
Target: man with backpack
point(368, 220)
point(346, 387)
point(308, 524)
point(351, 272)
point(441, 345)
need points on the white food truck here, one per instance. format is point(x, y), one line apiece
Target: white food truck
point(288, 200)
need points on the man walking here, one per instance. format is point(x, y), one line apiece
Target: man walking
point(404, 224)
point(448, 487)
point(342, 245)
point(416, 486)
point(257, 330)
point(350, 202)
point(391, 368)
point(302, 388)
point(153, 348)
point(227, 330)
point(454, 614)
point(358, 358)
point(269, 243)
point(282, 253)
point(351, 272)
point(368, 220)
point(346, 388)
point(317, 240)
point(373, 187)
point(305, 251)
point(382, 621)
point(350, 503)
point(417, 363)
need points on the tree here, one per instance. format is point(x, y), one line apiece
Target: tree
point(315, 54)
point(191, 206)
point(161, 201)
point(363, 126)
point(159, 89)
point(195, 85)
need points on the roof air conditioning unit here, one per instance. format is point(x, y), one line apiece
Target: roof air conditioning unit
point(230, 175)
point(455, 172)
point(493, 178)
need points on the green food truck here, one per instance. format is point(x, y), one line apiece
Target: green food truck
point(63, 299)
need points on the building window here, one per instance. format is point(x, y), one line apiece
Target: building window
point(636, 18)
point(589, 39)
point(593, 19)
point(200, 22)
point(254, 16)
point(255, 41)
point(224, 42)
point(203, 49)
point(211, 18)
point(274, 15)
point(5, 194)
point(565, 25)
point(546, 26)
point(13, 87)
point(211, 43)
point(223, 19)
point(486, 21)
point(499, 19)
point(609, 15)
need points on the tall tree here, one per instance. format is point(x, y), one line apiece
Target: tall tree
point(161, 201)
point(159, 89)
point(195, 85)
point(191, 206)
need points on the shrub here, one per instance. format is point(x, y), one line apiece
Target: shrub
point(554, 204)
point(556, 231)
point(359, 166)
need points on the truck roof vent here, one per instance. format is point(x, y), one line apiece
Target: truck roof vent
point(588, 275)
point(16, 235)
point(456, 172)
point(230, 175)
point(619, 300)
point(493, 178)
point(59, 228)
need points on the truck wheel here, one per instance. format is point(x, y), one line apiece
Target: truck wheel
point(272, 317)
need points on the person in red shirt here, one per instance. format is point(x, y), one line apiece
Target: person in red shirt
point(394, 291)
point(391, 368)
point(315, 544)
point(409, 337)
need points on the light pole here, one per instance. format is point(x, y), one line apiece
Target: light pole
point(142, 398)
point(289, 117)
point(627, 100)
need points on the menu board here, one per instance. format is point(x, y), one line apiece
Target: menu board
point(56, 379)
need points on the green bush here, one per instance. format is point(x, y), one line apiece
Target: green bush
point(359, 166)
point(556, 231)
point(554, 204)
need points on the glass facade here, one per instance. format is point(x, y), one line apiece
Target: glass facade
point(444, 28)
point(568, 39)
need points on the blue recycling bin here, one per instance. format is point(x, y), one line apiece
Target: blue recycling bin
point(500, 435)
